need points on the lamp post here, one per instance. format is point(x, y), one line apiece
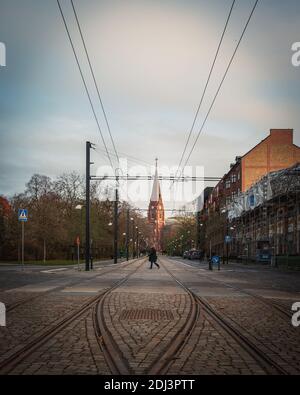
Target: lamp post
point(127, 234)
point(110, 224)
point(116, 226)
point(79, 207)
point(181, 237)
point(133, 241)
point(225, 241)
point(137, 241)
point(124, 242)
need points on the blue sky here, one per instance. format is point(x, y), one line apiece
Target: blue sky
point(151, 60)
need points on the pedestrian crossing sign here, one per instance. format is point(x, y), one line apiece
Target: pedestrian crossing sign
point(23, 215)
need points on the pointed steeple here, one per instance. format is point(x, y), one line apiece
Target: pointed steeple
point(156, 194)
point(156, 215)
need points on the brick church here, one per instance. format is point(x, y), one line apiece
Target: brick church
point(156, 213)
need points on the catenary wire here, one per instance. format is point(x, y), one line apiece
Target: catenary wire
point(219, 88)
point(94, 79)
point(84, 82)
point(205, 88)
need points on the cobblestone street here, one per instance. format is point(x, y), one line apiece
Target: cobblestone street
point(128, 319)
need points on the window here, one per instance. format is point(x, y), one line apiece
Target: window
point(239, 176)
point(233, 178)
point(227, 185)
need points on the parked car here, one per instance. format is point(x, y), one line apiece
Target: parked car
point(186, 255)
point(196, 254)
point(263, 256)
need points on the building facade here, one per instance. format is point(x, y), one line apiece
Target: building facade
point(276, 152)
point(156, 213)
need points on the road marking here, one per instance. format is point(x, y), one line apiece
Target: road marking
point(189, 265)
point(54, 270)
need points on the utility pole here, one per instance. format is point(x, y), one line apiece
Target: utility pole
point(23, 237)
point(133, 241)
point(87, 206)
point(116, 227)
point(210, 267)
point(198, 230)
point(137, 243)
point(127, 234)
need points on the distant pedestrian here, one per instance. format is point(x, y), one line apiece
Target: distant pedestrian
point(153, 257)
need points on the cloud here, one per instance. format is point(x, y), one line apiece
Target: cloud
point(151, 60)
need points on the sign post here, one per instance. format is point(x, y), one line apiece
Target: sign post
point(78, 252)
point(23, 217)
point(228, 239)
point(216, 261)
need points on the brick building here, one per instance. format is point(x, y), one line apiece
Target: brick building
point(277, 151)
point(274, 220)
point(156, 213)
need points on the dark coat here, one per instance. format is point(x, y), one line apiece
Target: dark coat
point(152, 255)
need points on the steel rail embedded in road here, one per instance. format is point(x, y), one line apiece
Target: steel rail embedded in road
point(116, 360)
point(23, 352)
point(275, 305)
point(18, 303)
point(114, 357)
point(268, 364)
point(162, 362)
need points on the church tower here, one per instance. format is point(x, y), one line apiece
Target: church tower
point(156, 213)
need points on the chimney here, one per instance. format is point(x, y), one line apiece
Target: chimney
point(282, 136)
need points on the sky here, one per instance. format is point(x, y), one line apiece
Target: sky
point(151, 60)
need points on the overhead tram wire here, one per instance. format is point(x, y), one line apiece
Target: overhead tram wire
point(205, 88)
point(94, 79)
point(84, 82)
point(220, 85)
point(128, 157)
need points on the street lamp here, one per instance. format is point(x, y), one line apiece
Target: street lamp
point(79, 207)
point(133, 245)
point(137, 242)
point(226, 237)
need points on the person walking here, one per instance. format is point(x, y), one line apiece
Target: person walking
point(153, 257)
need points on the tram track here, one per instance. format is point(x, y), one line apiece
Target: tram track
point(268, 364)
point(114, 357)
point(170, 349)
point(117, 361)
point(275, 305)
point(14, 305)
point(20, 353)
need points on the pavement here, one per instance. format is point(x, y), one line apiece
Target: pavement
point(144, 313)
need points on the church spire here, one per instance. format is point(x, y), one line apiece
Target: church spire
point(156, 193)
point(156, 215)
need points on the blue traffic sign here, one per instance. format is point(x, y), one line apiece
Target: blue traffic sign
point(23, 215)
point(228, 239)
point(215, 259)
point(251, 200)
